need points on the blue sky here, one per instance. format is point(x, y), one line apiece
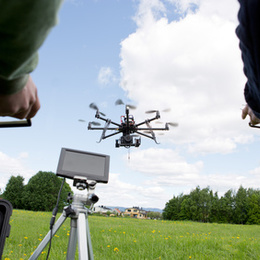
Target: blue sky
point(178, 54)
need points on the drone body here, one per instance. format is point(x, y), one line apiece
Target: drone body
point(128, 128)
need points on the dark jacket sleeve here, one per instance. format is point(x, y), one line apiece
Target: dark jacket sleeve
point(248, 32)
point(24, 25)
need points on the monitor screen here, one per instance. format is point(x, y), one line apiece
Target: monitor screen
point(93, 166)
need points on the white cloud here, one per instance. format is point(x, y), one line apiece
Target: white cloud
point(192, 66)
point(223, 182)
point(106, 76)
point(147, 11)
point(165, 168)
point(224, 8)
point(23, 155)
point(13, 166)
point(166, 174)
point(214, 145)
point(120, 193)
point(165, 162)
point(255, 172)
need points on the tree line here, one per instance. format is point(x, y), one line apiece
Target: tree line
point(39, 194)
point(202, 205)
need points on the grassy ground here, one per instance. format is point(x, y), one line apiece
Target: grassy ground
point(125, 238)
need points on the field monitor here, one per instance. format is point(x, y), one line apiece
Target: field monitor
point(93, 166)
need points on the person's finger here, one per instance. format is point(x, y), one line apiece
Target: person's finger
point(34, 109)
point(244, 112)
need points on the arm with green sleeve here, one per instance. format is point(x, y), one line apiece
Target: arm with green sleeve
point(249, 42)
point(24, 25)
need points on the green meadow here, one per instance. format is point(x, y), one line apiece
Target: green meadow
point(126, 238)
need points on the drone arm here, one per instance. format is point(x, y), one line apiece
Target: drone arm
point(140, 124)
point(106, 120)
point(101, 128)
point(115, 123)
point(153, 129)
point(111, 135)
point(149, 120)
point(166, 128)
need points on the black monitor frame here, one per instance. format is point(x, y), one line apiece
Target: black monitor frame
point(16, 123)
point(72, 162)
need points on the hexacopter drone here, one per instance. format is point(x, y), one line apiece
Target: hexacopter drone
point(130, 130)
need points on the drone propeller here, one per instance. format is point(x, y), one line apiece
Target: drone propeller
point(131, 106)
point(95, 123)
point(151, 111)
point(166, 110)
point(120, 102)
point(95, 107)
point(155, 111)
point(172, 124)
point(92, 123)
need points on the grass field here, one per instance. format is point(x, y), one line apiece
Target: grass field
point(125, 238)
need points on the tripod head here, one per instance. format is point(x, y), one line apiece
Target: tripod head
point(82, 183)
point(89, 199)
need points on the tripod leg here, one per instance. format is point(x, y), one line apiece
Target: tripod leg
point(90, 249)
point(47, 238)
point(72, 240)
point(82, 237)
point(84, 241)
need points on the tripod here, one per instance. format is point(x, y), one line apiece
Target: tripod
point(79, 226)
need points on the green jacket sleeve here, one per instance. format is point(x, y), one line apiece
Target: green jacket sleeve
point(24, 25)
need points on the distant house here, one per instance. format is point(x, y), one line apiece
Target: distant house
point(136, 212)
point(102, 209)
point(117, 211)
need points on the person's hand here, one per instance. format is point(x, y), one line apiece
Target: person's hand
point(23, 104)
point(248, 111)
